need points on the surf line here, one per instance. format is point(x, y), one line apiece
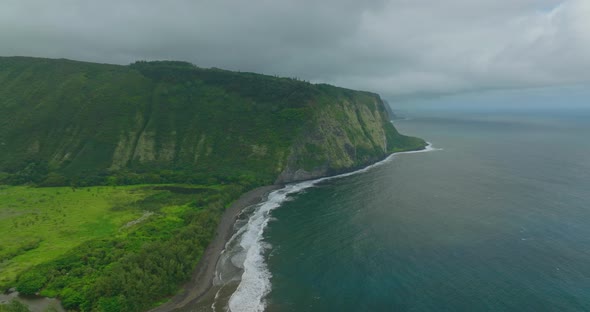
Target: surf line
point(255, 280)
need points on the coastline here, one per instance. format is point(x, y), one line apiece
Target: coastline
point(198, 288)
point(202, 278)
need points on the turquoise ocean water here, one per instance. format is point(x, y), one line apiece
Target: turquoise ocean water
point(496, 219)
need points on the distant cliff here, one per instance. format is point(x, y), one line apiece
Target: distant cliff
point(67, 122)
point(392, 115)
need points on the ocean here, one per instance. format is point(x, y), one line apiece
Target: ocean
point(494, 217)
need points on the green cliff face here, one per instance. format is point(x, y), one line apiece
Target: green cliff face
point(66, 122)
point(348, 130)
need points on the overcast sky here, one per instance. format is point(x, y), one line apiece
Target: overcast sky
point(394, 47)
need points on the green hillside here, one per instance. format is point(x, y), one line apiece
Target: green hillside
point(65, 122)
point(114, 178)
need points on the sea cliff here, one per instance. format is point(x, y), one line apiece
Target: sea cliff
point(64, 122)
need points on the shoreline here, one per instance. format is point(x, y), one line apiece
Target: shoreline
point(201, 282)
point(202, 278)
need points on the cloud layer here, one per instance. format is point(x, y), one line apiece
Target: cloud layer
point(394, 47)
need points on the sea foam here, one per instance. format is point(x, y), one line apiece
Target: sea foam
point(255, 282)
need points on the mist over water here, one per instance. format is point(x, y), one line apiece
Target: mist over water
point(496, 221)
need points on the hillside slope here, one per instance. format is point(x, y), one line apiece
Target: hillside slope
point(65, 122)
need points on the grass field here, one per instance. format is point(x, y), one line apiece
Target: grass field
point(83, 245)
point(40, 224)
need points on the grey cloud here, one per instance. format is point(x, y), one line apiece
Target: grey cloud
point(394, 47)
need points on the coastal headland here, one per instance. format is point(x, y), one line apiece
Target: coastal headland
point(141, 163)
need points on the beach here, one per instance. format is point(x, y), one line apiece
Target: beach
point(202, 278)
point(199, 294)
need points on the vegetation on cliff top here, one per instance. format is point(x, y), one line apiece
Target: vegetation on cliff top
point(65, 122)
point(74, 123)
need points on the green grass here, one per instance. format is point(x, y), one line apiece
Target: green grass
point(40, 224)
point(82, 244)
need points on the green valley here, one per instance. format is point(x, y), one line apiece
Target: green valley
point(82, 245)
point(113, 178)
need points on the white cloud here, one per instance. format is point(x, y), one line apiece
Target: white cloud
point(394, 47)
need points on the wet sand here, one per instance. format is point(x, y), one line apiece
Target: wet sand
point(202, 279)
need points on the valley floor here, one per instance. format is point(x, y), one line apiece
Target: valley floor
point(84, 245)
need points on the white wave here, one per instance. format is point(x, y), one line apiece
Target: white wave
point(213, 305)
point(255, 283)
